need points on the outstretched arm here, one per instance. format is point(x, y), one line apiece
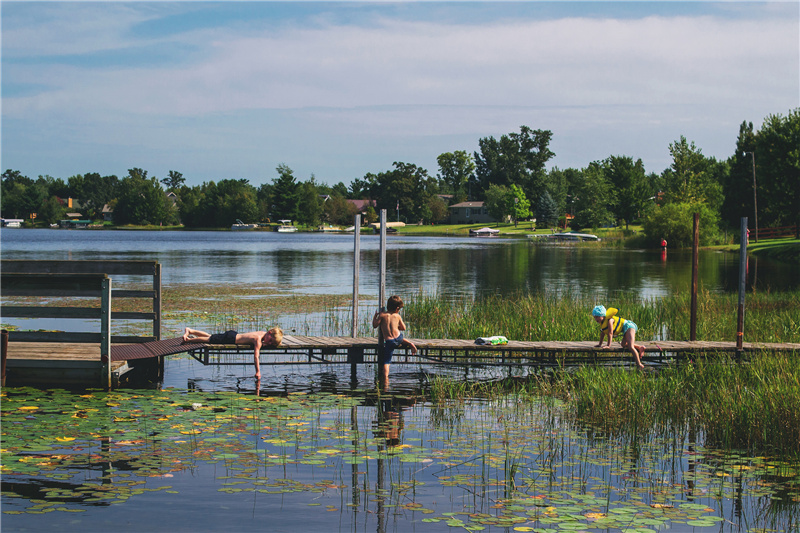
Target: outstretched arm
point(257, 357)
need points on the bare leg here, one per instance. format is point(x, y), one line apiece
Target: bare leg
point(412, 345)
point(195, 335)
point(629, 342)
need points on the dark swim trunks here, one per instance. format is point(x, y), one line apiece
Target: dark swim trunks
point(229, 337)
point(389, 346)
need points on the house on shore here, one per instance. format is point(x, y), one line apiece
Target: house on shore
point(470, 213)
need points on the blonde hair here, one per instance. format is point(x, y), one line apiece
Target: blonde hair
point(277, 335)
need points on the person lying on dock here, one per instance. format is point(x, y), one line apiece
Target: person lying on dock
point(610, 323)
point(392, 327)
point(256, 339)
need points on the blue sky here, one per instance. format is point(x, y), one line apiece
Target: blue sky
point(340, 89)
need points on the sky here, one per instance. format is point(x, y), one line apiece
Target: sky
point(336, 90)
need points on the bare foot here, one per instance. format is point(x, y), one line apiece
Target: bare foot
point(186, 335)
point(413, 349)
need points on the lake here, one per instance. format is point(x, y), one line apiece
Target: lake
point(209, 449)
point(318, 263)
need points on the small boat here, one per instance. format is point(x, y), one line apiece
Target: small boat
point(242, 226)
point(483, 232)
point(568, 236)
point(285, 226)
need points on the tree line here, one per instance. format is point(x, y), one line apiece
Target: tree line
point(509, 174)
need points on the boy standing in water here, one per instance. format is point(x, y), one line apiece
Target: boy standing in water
point(392, 327)
point(256, 339)
point(610, 323)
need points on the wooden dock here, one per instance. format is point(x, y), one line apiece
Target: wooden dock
point(303, 350)
point(71, 361)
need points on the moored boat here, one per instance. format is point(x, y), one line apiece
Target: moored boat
point(484, 232)
point(285, 226)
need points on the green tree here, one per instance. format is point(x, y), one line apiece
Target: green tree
point(593, 199)
point(96, 192)
point(309, 206)
point(456, 170)
point(174, 181)
point(142, 201)
point(516, 159)
point(738, 185)
point(235, 200)
point(436, 210)
point(633, 191)
point(284, 194)
point(692, 177)
point(546, 211)
point(675, 222)
point(408, 187)
point(51, 211)
point(338, 211)
point(497, 203)
point(777, 156)
point(519, 204)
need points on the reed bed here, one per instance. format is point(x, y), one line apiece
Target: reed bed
point(770, 317)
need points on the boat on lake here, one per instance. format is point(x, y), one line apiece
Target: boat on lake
point(484, 232)
point(239, 226)
point(568, 236)
point(285, 226)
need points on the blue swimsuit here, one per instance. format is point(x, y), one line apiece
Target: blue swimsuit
point(389, 346)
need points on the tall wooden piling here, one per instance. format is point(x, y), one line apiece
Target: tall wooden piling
point(742, 284)
point(695, 254)
point(356, 267)
point(382, 286)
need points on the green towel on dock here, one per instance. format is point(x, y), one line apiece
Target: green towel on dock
point(495, 340)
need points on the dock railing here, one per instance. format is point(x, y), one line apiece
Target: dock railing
point(38, 282)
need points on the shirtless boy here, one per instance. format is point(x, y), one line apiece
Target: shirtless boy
point(392, 327)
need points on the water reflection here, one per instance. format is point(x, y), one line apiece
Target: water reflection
point(317, 263)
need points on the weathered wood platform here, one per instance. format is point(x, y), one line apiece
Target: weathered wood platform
point(297, 349)
point(74, 363)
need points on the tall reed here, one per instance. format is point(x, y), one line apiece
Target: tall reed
point(769, 317)
point(751, 405)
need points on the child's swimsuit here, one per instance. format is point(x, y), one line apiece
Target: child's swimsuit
point(628, 325)
point(229, 337)
point(389, 346)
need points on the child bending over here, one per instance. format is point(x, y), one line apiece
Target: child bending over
point(610, 324)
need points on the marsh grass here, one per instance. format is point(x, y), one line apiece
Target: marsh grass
point(770, 317)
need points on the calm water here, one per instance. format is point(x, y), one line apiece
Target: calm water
point(324, 453)
point(323, 264)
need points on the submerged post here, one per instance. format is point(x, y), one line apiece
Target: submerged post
point(742, 283)
point(356, 266)
point(695, 248)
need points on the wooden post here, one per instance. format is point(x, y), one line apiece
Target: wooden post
point(157, 301)
point(695, 248)
point(382, 262)
point(105, 333)
point(4, 353)
point(742, 284)
point(381, 287)
point(356, 266)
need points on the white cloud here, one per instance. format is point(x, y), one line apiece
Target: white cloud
point(405, 81)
